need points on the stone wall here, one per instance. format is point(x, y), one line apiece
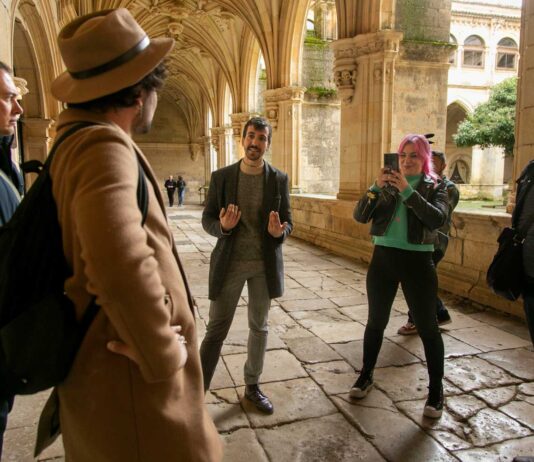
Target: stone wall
point(329, 223)
point(168, 126)
point(175, 159)
point(317, 64)
point(320, 147)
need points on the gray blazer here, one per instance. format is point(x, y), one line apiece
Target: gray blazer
point(223, 191)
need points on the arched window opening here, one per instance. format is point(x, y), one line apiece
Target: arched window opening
point(507, 52)
point(473, 52)
point(460, 172)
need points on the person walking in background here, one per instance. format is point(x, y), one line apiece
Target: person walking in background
point(406, 209)
point(11, 183)
point(247, 209)
point(181, 184)
point(134, 392)
point(170, 186)
point(439, 163)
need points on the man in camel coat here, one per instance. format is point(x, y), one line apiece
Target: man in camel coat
point(135, 390)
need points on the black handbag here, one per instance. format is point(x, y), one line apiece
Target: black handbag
point(506, 274)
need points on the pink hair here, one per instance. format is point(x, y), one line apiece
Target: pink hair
point(422, 148)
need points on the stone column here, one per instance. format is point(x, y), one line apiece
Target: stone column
point(283, 107)
point(364, 72)
point(524, 138)
point(239, 119)
point(36, 134)
point(221, 140)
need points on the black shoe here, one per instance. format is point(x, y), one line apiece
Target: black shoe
point(362, 386)
point(434, 404)
point(523, 459)
point(262, 403)
point(444, 318)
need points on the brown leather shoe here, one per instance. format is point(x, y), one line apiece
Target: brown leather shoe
point(256, 397)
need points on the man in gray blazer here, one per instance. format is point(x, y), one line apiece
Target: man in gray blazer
point(247, 209)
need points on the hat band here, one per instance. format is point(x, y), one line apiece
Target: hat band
point(114, 63)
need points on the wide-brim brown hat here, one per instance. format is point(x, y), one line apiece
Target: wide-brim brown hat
point(105, 52)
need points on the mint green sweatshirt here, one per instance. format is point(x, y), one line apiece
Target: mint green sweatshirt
point(396, 234)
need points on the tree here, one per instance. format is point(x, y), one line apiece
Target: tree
point(493, 122)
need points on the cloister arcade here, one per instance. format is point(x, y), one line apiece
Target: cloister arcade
point(236, 58)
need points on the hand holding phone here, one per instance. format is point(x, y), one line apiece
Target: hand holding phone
point(391, 161)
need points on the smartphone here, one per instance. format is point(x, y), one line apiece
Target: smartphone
point(391, 161)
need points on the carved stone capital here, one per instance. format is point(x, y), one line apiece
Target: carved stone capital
point(348, 52)
point(195, 149)
point(274, 97)
point(239, 119)
point(22, 86)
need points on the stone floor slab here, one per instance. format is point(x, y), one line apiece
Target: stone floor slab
point(356, 313)
point(333, 377)
point(311, 350)
point(453, 347)
point(403, 383)
point(228, 417)
point(448, 431)
point(518, 362)
point(390, 354)
point(521, 411)
point(279, 365)
point(329, 438)
point(472, 373)
point(497, 397)
point(503, 452)
point(488, 338)
point(490, 426)
point(336, 332)
point(307, 304)
point(292, 400)
point(243, 446)
point(396, 437)
point(353, 300)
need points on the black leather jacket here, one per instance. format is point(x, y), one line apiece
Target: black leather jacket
point(427, 210)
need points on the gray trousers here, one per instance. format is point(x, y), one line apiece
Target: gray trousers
point(222, 313)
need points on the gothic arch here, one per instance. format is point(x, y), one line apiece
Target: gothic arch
point(38, 20)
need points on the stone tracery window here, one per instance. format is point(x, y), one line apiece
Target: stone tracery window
point(473, 51)
point(460, 173)
point(507, 54)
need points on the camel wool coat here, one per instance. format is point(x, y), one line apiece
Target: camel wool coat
point(112, 409)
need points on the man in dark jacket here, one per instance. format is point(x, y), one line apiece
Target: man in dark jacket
point(247, 209)
point(170, 186)
point(10, 181)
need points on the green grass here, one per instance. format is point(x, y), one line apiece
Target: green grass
point(486, 205)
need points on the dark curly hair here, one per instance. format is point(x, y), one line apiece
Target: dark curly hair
point(259, 123)
point(127, 96)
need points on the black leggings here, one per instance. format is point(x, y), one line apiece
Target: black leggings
point(416, 273)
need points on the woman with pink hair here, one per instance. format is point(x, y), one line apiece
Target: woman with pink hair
point(406, 208)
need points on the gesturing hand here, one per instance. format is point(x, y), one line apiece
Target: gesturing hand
point(229, 218)
point(275, 228)
point(121, 348)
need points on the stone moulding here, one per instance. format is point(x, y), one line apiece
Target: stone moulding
point(428, 51)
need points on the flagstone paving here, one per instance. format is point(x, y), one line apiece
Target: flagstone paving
point(314, 352)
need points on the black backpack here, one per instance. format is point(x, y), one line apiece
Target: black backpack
point(39, 333)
